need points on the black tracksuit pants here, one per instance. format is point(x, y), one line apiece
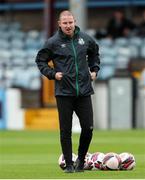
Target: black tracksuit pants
point(83, 108)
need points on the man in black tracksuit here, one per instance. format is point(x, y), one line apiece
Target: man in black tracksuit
point(76, 63)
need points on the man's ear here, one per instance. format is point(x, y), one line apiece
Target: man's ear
point(59, 23)
point(75, 21)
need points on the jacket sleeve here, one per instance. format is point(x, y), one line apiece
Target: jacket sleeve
point(43, 57)
point(93, 56)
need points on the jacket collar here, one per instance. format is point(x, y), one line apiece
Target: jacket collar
point(63, 35)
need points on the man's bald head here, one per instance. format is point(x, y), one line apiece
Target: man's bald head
point(65, 13)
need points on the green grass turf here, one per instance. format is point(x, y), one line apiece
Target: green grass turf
point(34, 154)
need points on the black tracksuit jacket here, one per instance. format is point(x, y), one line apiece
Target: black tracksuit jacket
point(74, 57)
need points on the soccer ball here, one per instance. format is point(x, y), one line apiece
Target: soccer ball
point(95, 161)
point(61, 160)
point(127, 161)
point(86, 166)
point(111, 161)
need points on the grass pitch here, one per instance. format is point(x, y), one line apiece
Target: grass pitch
point(34, 154)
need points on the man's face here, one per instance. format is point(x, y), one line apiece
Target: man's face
point(67, 24)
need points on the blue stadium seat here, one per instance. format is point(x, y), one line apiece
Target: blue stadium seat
point(18, 53)
point(136, 41)
point(121, 42)
point(124, 51)
point(106, 42)
point(4, 44)
point(106, 72)
point(32, 44)
point(122, 62)
point(5, 56)
point(108, 51)
point(17, 43)
point(135, 51)
point(107, 60)
point(33, 34)
point(5, 35)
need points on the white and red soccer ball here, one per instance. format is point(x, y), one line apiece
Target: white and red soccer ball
point(127, 161)
point(111, 161)
point(95, 161)
point(87, 157)
point(61, 160)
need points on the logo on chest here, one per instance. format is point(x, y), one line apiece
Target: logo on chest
point(63, 45)
point(81, 41)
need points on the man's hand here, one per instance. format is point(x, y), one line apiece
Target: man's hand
point(58, 76)
point(93, 75)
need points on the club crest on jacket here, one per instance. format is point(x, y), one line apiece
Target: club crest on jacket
point(63, 45)
point(81, 41)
